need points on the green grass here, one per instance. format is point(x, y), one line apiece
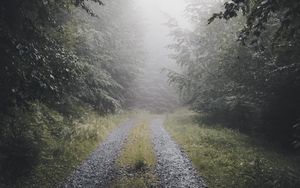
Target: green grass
point(84, 136)
point(137, 159)
point(226, 158)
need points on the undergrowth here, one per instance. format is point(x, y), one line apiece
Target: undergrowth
point(226, 158)
point(46, 146)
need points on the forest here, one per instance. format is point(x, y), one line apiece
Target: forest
point(73, 70)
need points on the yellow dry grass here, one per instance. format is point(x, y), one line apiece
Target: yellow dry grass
point(138, 158)
point(138, 152)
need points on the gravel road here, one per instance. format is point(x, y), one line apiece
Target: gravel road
point(173, 166)
point(100, 169)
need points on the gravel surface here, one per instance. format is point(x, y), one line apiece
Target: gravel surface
point(100, 169)
point(173, 166)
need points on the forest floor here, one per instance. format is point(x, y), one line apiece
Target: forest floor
point(142, 152)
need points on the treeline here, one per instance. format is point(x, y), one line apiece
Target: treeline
point(59, 58)
point(243, 72)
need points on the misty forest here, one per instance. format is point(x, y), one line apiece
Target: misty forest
point(150, 93)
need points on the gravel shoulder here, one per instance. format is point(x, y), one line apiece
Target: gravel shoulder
point(100, 169)
point(173, 166)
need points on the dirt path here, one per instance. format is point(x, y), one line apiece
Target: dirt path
point(99, 169)
point(174, 168)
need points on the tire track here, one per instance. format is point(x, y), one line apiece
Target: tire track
point(100, 169)
point(173, 166)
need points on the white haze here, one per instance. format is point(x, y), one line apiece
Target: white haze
point(151, 88)
point(154, 92)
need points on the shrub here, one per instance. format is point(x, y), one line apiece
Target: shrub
point(26, 135)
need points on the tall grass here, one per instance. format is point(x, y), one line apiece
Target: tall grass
point(226, 158)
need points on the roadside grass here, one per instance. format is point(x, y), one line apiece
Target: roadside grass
point(81, 138)
point(226, 158)
point(137, 160)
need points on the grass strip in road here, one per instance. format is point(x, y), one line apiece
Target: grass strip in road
point(137, 160)
point(226, 158)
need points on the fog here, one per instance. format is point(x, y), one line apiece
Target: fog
point(72, 71)
point(154, 92)
point(138, 34)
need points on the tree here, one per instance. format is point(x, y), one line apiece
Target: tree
point(253, 87)
point(59, 59)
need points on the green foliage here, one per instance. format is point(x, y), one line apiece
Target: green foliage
point(43, 63)
point(26, 133)
point(259, 13)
